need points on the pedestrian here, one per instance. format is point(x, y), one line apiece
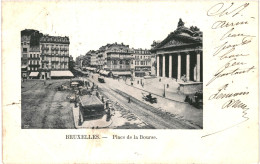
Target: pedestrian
point(167, 85)
point(160, 80)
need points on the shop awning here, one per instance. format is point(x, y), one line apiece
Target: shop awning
point(90, 68)
point(122, 73)
point(34, 74)
point(61, 74)
point(24, 66)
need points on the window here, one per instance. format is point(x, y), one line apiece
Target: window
point(121, 62)
point(30, 55)
point(24, 49)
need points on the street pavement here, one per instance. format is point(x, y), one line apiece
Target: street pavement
point(164, 114)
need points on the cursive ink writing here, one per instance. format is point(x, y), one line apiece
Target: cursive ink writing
point(224, 24)
point(224, 71)
point(219, 10)
point(232, 35)
point(234, 104)
point(221, 95)
point(231, 40)
point(232, 47)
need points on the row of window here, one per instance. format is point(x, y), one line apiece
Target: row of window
point(52, 66)
point(55, 46)
point(34, 62)
point(55, 58)
point(142, 52)
point(120, 62)
point(142, 63)
point(142, 57)
point(25, 43)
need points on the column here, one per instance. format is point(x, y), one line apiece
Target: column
point(158, 65)
point(170, 66)
point(198, 66)
point(163, 66)
point(179, 66)
point(188, 66)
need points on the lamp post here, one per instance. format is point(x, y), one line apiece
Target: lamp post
point(163, 90)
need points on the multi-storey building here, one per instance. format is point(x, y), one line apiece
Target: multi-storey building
point(90, 59)
point(142, 62)
point(119, 60)
point(101, 57)
point(54, 54)
point(79, 61)
point(30, 50)
point(42, 54)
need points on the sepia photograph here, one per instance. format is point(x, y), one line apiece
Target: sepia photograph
point(140, 81)
point(115, 86)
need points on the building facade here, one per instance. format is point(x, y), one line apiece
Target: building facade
point(30, 50)
point(142, 62)
point(42, 54)
point(120, 60)
point(180, 53)
point(79, 61)
point(54, 54)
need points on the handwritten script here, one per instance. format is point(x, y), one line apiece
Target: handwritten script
point(229, 19)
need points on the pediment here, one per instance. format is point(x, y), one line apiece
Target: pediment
point(173, 42)
point(177, 39)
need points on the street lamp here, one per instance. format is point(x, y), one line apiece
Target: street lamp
point(163, 90)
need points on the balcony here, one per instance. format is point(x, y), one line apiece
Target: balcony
point(45, 61)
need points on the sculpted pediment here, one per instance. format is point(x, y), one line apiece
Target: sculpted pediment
point(174, 42)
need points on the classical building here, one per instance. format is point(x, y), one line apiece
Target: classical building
point(142, 62)
point(44, 56)
point(119, 60)
point(180, 53)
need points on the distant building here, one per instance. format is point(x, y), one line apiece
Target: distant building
point(90, 59)
point(79, 61)
point(71, 63)
point(42, 54)
point(119, 60)
point(142, 62)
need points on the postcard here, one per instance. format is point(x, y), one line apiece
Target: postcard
point(130, 81)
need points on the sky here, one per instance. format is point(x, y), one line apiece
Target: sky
point(90, 25)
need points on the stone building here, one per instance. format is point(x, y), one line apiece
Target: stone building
point(42, 54)
point(119, 60)
point(180, 53)
point(79, 61)
point(30, 50)
point(142, 62)
point(54, 54)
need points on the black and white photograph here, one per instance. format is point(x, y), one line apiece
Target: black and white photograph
point(110, 81)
